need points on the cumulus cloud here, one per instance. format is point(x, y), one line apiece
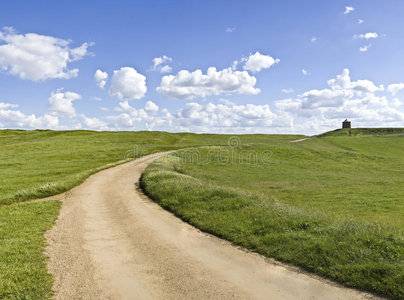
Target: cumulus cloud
point(367, 36)
point(313, 39)
point(190, 85)
point(348, 9)
point(61, 103)
point(319, 110)
point(256, 62)
point(305, 72)
point(324, 98)
point(7, 105)
point(79, 52)
point(128, 84)
point(161, 64)
point(151, 107)
point(230, 29)
point(94, 123)
point(395, 88)
point(197, 117)
point(165, 69)
point(360, 21)
point(221, 116)
point(101, 78)
point(11, 118)
point(38, 57)
point(343, 82)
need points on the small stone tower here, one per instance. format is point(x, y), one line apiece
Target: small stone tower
point(346, 124)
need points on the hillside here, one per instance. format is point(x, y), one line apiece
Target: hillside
point(364, 132)
point(331, 205)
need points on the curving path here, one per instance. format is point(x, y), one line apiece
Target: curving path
point(112, 242)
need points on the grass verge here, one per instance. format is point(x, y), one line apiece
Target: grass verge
point(232, 201)
point(23, 272)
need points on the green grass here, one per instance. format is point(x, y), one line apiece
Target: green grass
point(23, 273)
point(41, 163)
point(365, 132)
point(333, 206)
point(37, 164)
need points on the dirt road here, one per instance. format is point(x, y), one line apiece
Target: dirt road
point(111, 242)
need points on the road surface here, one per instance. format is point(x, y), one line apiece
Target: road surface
point(112, 242)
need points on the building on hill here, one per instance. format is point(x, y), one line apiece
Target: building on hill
point(346, 124)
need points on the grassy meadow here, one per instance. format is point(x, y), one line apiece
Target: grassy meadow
point(333, 205)
point(41, 163)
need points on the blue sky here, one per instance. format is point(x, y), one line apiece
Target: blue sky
point(272, 65)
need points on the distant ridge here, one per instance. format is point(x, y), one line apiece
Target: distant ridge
point(364, 132)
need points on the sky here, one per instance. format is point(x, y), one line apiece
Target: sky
point(201, 66)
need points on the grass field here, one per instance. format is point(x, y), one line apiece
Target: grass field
point(332, 205)
point(37, 164)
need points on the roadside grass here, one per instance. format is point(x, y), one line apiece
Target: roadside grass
point(41, 163)
point(333, 206)
point(23, 273)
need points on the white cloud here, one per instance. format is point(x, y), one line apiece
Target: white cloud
point(343, 82)
point(38, 57)
point(61, 103)
point(100, 78)
point(397, 102)
point(256, 62)
point(395, 88)
point(364, 48)
point(313, 111)
point(151, 107)
point(320, 110)
point(360, 21)
point(348, 9)
point(197, 117)
point(230, 29)
point(234, 65)
point(367, 36)
point(7, 105)
point(305, 72)
point(287, 91)
point(94, 123)
point(221, 117)
point(157, 61)
point(165, 69)
point(190, 85)
point(79, 52)
point(97, 99)
point(324, 98)
point(128, 84)
point(313, 39)
point(10, 118)
point(161, 64)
